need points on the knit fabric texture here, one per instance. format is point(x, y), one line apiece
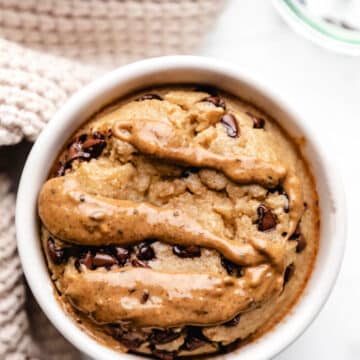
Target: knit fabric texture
point(48, 50)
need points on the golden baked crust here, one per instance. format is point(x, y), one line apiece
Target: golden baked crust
point(179, 221)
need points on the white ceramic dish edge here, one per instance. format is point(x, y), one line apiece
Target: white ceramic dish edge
point(313, 35)
point(182, 69)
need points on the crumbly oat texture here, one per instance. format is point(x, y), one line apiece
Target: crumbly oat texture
point(188, 223)
point(48, 50)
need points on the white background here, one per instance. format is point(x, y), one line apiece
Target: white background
point(325, 87)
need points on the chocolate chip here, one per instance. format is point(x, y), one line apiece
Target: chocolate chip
point(207, 89)
point(193, 343)
point(76, 152)
point(231, 268)
point(121, 254)
point(301, 243)
point(149, 96)
point(189, 170)
point(59, 169)
point(190, 251)
point(230, 124)
point(267, 219)
point(287, 206)
point(145, 252)
point(299, 238)
point(85, 147)
point(215, 100)
point(163, 355)
point(101, 259)
point(83, 137)
point(87, 260)
point(230, 347)
point(94, 147)
point(289, 272)
point(163, 336)
point(233, 322)
point(139, 263)
point(145, 297)
point(278, 188)
point(131, 339)
point(57, 255)
point(194, 339)
point(258, 122)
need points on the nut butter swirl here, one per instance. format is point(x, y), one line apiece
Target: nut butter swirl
point(175, 299)
point(87, 219)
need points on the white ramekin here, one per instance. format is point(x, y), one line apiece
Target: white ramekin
point(175, 70)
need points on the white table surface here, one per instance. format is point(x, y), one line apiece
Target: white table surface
point(325, 87)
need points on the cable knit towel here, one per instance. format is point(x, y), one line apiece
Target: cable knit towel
point(48, 50)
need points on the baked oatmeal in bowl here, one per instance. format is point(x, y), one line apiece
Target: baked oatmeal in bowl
point(179, 220)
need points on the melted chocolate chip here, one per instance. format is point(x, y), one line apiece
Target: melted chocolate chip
point(59, 169)
point(94, 147)
point(131, 339)
point(163, 355)
point(289, 272)
point(233, 322)
point(121, 254)
point(190, 251)
point(301, 243)
point(287, 206)
point(258, 122)
point(149, 96)
point(207, 89)
point(83, 137)
point(145, 252)
point(231, 268)
point(139, 263)
point(57, 255)
point(194, 339)
point(193, 343)
point(267, 219)
point(189, 170)
point(230, 124)
point(230, 347)
point(279, 189)
point(102, 259)
point(87, 260)
point(145, 297)
point(163, 336)
point(85, 147)
point(76, 152)
point(299, 238)
point(216, 100)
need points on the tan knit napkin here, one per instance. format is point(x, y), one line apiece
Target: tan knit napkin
point(48, 50)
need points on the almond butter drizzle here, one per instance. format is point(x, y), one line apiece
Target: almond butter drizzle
point(175, 299)
point(87, 219)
